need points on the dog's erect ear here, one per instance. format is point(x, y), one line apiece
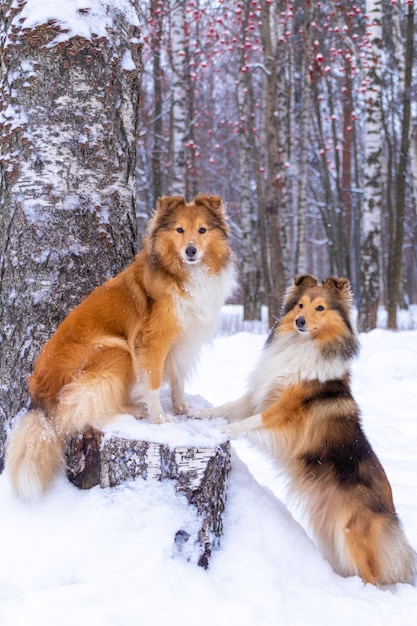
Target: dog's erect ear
point(166, 204)
point(341, 288)
point(340, 284)
point(306, 281)
point(294, 293)
point(214, 203)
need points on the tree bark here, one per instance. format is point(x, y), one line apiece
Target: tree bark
point(395, 258)
point(371, 216)
point(68, 112)
point(199, 472)
point(274, 211)
point(300, 263)
point(157, 147)
point(246, 161)
point(179, 117)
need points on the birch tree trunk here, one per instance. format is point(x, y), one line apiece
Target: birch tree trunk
point(300, 183)
point(179, 117)
point(199, 472)
point(157, 147)
point(68, 114)
point(371, 216)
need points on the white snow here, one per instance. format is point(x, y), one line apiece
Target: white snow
point(106, 556)
point(84, 18)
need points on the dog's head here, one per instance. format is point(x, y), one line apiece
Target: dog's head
point(184, 233)
point(320, 312)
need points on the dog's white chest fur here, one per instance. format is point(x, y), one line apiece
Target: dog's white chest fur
point(289, 359)
point(197, 314)
point(205, 294)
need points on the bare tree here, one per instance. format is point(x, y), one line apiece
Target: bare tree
point(273, 209)
point(68, 109)
point(397, 218)
point(371, 216)
point(300, 263)
point(179, 106)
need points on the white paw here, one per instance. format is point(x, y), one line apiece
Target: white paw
point(204, 414)
point(162, 418)
point(231, 430)
point(226, 430)
point(183, 409)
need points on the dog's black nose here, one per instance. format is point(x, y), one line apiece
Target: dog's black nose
point(191, 251)
point(300, 322)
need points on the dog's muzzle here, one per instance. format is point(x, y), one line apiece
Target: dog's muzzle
point(191, 253)
point(300, 324)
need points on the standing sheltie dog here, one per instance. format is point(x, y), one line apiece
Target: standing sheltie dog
point(137, 330)
point(300, 394)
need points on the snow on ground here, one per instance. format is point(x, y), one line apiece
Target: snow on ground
point(106, 556)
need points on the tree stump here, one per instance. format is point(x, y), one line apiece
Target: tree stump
point(200, 472)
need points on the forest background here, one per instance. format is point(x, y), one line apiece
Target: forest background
point(301, 115)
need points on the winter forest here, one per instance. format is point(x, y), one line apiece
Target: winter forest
point(300, 114)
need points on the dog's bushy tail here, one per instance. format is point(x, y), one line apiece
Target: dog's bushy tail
point(34, 455)
point(383, 554)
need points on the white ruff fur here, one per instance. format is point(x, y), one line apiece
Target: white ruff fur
point(197, 313)
point(289, 359)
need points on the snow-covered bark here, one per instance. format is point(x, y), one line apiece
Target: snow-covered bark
point(68, 113)
point(372, 184)
point(179, 117)
point(199, 472)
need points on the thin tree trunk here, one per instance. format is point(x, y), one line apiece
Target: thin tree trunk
point(275, 189)
point(157, 148)
point(370, 272)
point(68, 106)
point(249, 273)
point(347, 172)
point(301, 265)
point(396, 256)
point(179, 117)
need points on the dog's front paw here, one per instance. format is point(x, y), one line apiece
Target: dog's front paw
point(204, 414)
point(162, 418)
point(183, 409)
point(231, 430)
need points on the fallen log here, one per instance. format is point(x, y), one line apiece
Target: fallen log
point(200, 472)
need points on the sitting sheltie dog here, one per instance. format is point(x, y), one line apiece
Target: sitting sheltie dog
point(300, 394)
point(137, 330)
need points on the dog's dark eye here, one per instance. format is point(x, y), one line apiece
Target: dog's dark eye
point(300, 306)
point(180, 229)
point(320, 308)
point(202, 230)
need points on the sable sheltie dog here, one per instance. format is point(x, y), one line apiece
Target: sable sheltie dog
point(300, 394)
point(141, 328)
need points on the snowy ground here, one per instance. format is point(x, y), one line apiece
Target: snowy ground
point(106, 557)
